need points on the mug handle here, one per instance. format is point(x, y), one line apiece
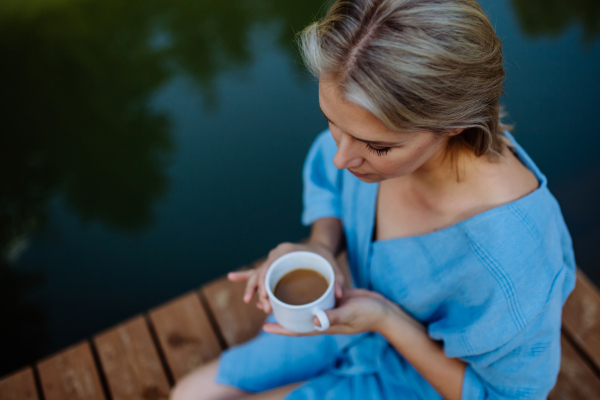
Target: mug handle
point(320, 314)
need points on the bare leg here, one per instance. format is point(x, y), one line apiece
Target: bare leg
point(200, 384)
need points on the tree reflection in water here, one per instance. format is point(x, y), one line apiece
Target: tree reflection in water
point(554, 16)
point(76, 79)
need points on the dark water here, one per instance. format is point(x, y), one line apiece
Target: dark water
point(150, 146)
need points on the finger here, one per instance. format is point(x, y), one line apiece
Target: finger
point(266, 306)
point(348, 293)
point(238, 276)
point(260, 305)
point(263, 296)
point(339, 283)
point(316, 321)
point(339, 290)
point(250, 289)
point(277, 329)
point(339, 276)
point(337, 316)
point(262, 290)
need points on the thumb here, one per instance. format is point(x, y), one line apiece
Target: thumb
point(337, 316)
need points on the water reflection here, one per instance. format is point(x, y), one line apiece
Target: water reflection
point(77, 77)
point(554, 16)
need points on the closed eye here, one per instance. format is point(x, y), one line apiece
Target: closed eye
point(380, 152)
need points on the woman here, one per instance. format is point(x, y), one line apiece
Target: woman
point(459, 253)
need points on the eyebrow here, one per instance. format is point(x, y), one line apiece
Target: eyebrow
point(375, 142)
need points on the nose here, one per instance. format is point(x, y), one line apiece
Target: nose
point(347, 154)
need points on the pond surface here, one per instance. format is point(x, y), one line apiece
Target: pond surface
point(151, 146)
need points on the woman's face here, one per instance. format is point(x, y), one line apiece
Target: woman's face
point(367, 148)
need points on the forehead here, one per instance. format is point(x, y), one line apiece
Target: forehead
point(352, 118)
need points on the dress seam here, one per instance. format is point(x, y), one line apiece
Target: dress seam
point(503, 281)
point(516, 210)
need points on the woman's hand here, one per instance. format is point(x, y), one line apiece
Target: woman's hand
point(358, 310)
point(256, 277)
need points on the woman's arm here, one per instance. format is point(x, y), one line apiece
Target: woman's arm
point(410, 338)
point(328, 232)
point(361, 310)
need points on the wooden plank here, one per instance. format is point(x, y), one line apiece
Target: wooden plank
point(131, 363)
point(581, 317)
point(576, 380)
point(237, 321)
point(71, 375)
point(19, 386)
point(185, 334)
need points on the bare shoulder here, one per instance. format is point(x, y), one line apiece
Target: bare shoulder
point(508, 179)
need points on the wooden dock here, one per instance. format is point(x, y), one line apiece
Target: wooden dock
point(141, 358)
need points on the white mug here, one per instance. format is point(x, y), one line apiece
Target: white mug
point(300, 318)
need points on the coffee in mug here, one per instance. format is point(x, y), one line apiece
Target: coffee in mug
point(300, 286)
point(309, 304)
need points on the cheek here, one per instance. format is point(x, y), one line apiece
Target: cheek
point(403, 162)
point(389, 166)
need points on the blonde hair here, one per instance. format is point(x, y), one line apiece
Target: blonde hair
point(431, 65)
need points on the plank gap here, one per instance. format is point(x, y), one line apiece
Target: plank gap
point(131, 362)
point(159, 350)
point(584, 356)
point(103, 381)
point(71, 374)
point(19, 385)
point(212, 320)
point(38, 382)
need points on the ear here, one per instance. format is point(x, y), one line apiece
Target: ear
point(456, 132)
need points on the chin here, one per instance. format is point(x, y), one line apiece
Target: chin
point(371, 179)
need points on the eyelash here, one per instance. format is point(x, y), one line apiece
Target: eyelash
point(379, 152)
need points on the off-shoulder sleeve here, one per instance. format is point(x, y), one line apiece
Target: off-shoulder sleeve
point(322, 181)
point(508, 331)
point(525, 367)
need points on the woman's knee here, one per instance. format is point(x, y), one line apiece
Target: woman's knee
point(200, 384)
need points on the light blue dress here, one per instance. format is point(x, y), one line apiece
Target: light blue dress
point(491, 288)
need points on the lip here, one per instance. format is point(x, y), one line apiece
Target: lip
point(357, 174)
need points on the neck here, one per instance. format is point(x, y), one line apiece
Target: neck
point(444, 170)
